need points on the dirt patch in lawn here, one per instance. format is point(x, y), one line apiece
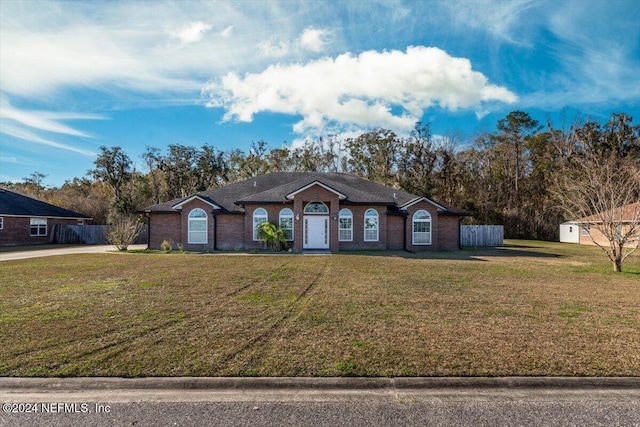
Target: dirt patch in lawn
point(530, 309)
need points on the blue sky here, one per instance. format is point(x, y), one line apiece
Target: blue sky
point(78, 75)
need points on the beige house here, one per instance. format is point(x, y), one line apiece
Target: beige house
point(587, 230)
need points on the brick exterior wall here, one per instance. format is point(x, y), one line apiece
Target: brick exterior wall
point(449, 233)
point(17, 230)
point(235, 231)
point(230, 231)
point(164, 227)
point(358, 228)
point(395, 232)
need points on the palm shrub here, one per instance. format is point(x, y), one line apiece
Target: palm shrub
point(274, 237)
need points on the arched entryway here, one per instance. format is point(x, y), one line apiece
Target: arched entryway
point(316, 227)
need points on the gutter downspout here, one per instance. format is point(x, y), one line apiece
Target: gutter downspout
point(404, 234)
point(148, 230)
point(215, 231)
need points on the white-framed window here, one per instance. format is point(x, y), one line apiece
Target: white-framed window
point(1, 223)
point(345, 224)
point(584, 229)
point(421, 228)
point(316, 208)
point(197, 227)
point(38, 226)
point(371, 225)
point(259, 216)
point(286, 222)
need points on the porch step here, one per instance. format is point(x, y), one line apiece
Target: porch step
point(316, 252)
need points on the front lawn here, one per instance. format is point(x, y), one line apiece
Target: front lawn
point(532, 308)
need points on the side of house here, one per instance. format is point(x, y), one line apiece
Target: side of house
point(26, 221)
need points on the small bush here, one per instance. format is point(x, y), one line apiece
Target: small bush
point(124, 231)
point(166, 245)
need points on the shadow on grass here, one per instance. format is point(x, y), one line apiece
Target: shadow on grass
point(465, 254)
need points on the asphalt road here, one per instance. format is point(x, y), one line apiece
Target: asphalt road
point(356, 414)
point(319, 402)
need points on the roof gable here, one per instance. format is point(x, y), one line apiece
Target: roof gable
point(422, 199)
point(292, 195)
point(195, 197)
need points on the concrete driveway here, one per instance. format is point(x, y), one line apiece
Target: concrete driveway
point(49, 251)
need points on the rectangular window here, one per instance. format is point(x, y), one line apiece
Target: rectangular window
point(346, 230)
point(197, 232)
point(421, 233)
point(286, 224)
point(584, 230)
point(371, 230)
point(1, 223)
point(38, 226)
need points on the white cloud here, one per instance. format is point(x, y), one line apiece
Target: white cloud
point(274, 48)
point(26, 125)
point(357, 91)
point(227, 31)
point(26, 135)
point(313, 39)
point(191, 33)
point(506, 20)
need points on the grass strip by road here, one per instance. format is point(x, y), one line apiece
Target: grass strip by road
point(531, 308)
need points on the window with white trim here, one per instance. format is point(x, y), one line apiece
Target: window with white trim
point(316, 208)
point(197, 227)
point(1, 223)
point(585, 229)
point(38, 226)
point(371, 225)
point(286, 223)
point(345, 223)
point(259, 216)
point(421, 228)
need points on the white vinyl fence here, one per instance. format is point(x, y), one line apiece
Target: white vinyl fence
point(481, 235)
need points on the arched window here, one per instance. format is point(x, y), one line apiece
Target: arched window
point(421, 228)
point(346, 226)
point(371, 225)
point(197, 227)
point(286, 222)
point(316, 208)
point(259, 216)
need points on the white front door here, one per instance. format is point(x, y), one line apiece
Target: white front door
point(316, 232)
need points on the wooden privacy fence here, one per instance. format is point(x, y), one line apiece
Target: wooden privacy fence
point(86, 234)
point(481, 235)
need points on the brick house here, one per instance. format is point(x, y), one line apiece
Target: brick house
point(317, 211)
point(25, 220)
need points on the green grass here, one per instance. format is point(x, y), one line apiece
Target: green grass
point(531, 308)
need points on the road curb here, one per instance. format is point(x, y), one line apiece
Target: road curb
point(334, 383)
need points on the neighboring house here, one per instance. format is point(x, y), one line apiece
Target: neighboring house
point(321, 211)
point(584, 231)
point(24, 220)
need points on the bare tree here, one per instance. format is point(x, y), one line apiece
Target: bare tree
point(604, 193)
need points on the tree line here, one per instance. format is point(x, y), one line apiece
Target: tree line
point(517, 175)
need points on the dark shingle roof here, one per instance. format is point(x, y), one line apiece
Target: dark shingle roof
point(274, 188)
point(16, 204)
